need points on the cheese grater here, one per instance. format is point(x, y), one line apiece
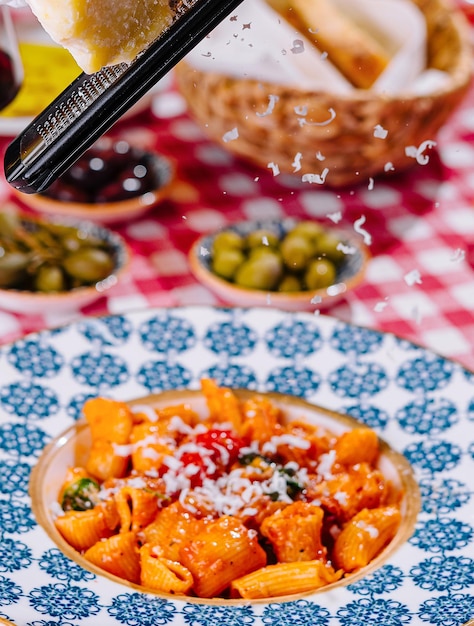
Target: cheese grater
point(92, 103)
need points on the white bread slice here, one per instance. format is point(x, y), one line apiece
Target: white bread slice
point(103, 32)
point(352, 47)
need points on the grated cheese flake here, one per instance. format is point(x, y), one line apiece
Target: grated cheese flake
point(274, 167)
point(320, 179)
point(413, 278)
point(361, 231)
point(380, 132)
point(273, 99)
point(230, 135)
point(418, 153)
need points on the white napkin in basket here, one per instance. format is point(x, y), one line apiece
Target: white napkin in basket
point(257, 43)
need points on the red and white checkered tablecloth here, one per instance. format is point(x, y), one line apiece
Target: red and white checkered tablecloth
point(419, 283)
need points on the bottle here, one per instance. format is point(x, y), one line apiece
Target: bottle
point(11, 72)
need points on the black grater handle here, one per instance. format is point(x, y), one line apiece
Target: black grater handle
point(91, 104)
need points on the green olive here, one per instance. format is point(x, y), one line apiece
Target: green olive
point(320, 273)
point(327, 246)
point(227, 240)
point(226, 262)
point(89, 265)
point(290, 283)
point(262, 237)
point(71, 242)
point(9, 223)
point(307, 257)
point(13, 268)
point(259, 251)
point(309, 229)
point(296, 251)
point(49, 278)
point(262, 272)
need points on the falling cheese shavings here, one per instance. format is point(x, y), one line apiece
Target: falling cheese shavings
point(147, 410)
point(388, 167)
point(418, 153)
point(458, 255)
point(316, 300)
point(304, 122)
point(273, 99)
point(301, 110)
point(380, 132)
point(361, 231)
point(370, 186)
point(413, 278)
point(320, 156)
point(298, 46)
point(319, 179)
point(274, 167)
point(337, 289)
point(231, 135)
point(416, 315)
point(335, 217)
point(204, 252)
point(381, 306)
point(346, 249)
point(297, 162)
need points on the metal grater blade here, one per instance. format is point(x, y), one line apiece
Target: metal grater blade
point(77, 102)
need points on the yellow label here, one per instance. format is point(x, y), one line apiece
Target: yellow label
point(48, 71)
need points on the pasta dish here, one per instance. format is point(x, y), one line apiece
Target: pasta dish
point(237, 502)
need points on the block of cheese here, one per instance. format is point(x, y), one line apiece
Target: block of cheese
point(103, 32)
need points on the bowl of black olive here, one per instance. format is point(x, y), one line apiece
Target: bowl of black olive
point(50, 265)
point(113, 181)
point(289, 264)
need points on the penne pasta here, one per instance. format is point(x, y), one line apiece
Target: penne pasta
point(284, 579)
point(105, 462)
point(222, 552)
point(136, 508)
point(360, 445)
point(82, 529)
point(108, 419)
point(111, 423)
point(163, 574)
point(364, 536)
point(236, 503)
point(118, 555)
point(261, 419)
point(345, 493)
point(223, 404)
point(171, 530)
point(295, 532)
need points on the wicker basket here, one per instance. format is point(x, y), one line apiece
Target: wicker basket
point(352, 152)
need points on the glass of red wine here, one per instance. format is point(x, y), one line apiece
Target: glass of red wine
point(11, 70)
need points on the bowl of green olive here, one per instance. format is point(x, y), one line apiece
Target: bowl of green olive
point(48, 265)
point(289, 264)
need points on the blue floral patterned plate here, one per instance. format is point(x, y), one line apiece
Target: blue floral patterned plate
point(420, 403)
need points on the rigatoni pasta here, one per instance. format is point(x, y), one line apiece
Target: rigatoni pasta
point(239, 502)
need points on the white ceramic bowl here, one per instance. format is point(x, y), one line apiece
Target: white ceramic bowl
point(70, 449)
point(350, 272)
